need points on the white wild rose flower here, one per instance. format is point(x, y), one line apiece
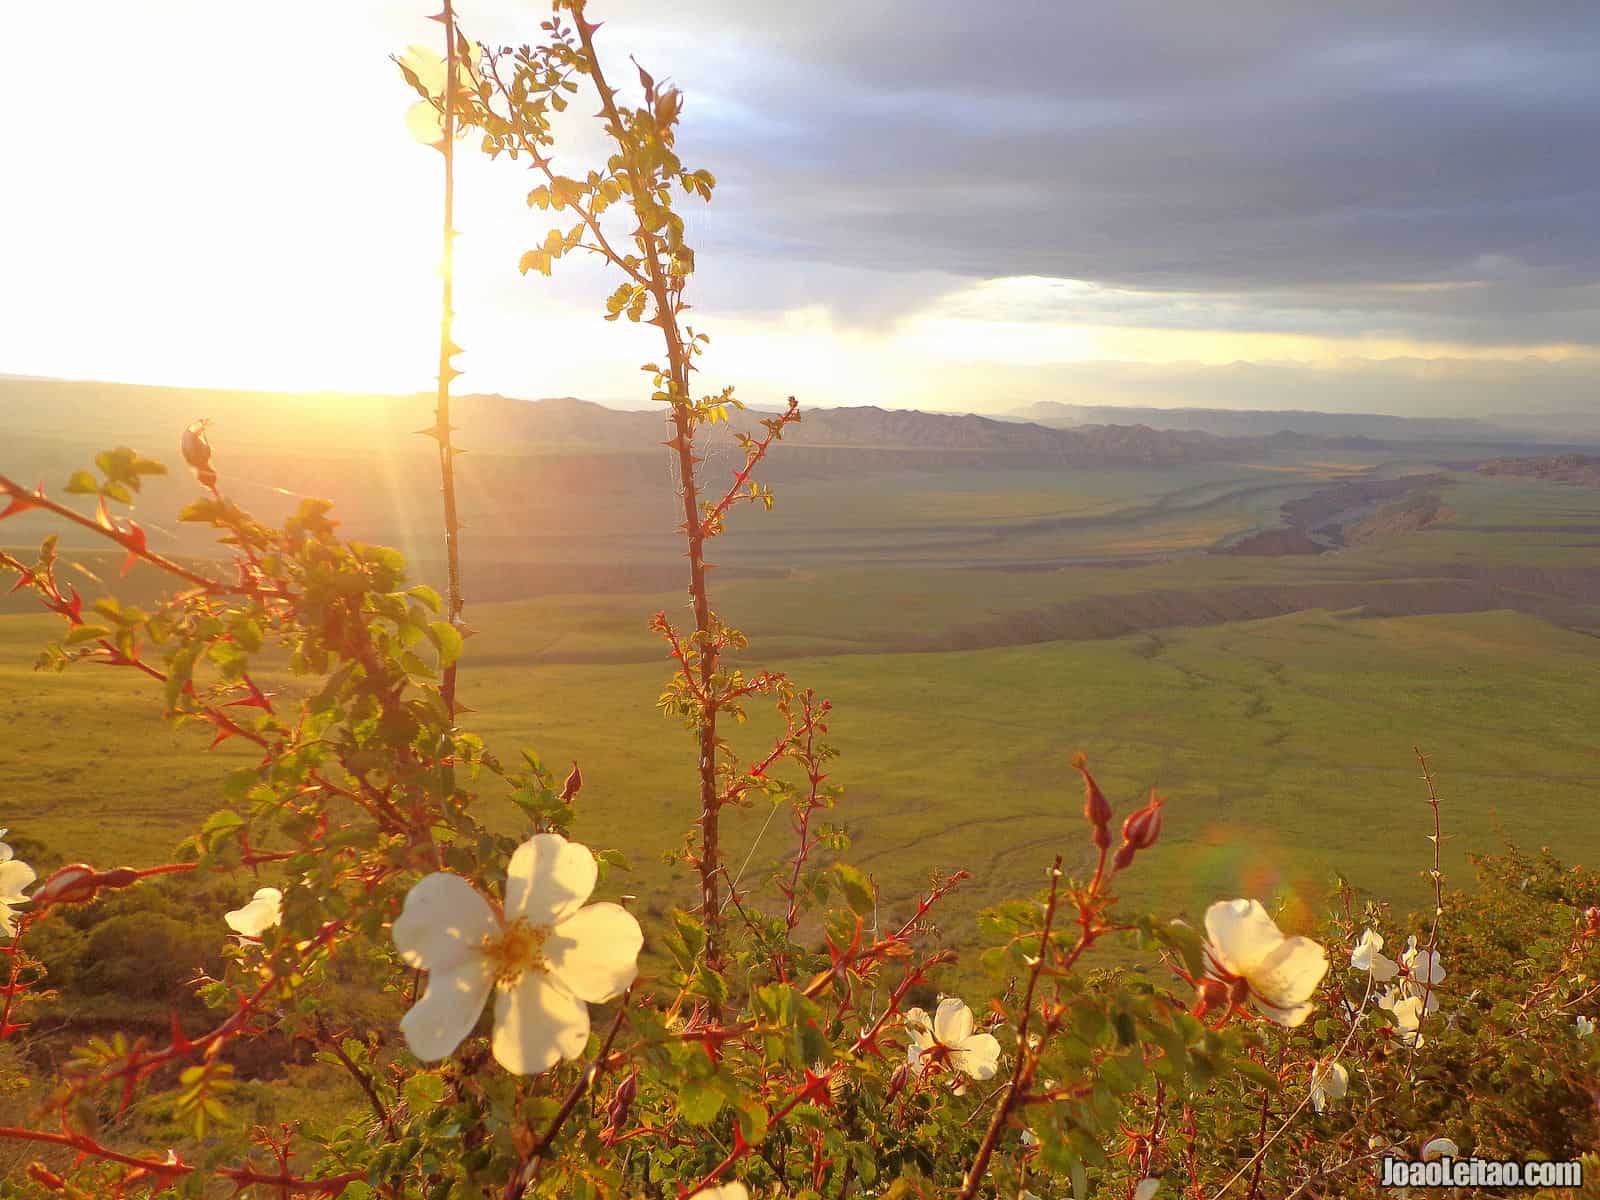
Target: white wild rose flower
point(1422, 966)
point(949, 1033)
point(1366, 957)
point(1147, 1188)
point(1413, 997)
point(1439, 1147)
point(546, 956)
point(1585, 1025)
point(1405, 990)
point(1329, 1083)
point(1408, 1016)
point(264, 910)
point(15, 875)
point(1281, 973)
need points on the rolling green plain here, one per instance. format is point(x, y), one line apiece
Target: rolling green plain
point(974, 628)
point(973, 625)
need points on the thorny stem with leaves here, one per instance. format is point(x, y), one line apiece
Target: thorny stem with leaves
point(448, 350)
point(665, 268)
point(1436, 874)
point(667, 306)
point(521, 1178)
point(1023, 1068)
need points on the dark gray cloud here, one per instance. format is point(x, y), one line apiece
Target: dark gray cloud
point(1313, 153)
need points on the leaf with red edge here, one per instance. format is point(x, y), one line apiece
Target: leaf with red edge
point(134, 539)
point(19, 503)
point(225, 728)
point(256, 699)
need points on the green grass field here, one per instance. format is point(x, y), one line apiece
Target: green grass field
point(973, 629)
point(1276, 700)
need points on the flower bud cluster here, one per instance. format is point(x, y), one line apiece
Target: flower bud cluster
point(1140, 828)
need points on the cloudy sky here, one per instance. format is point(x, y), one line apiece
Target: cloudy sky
point(1287, 203)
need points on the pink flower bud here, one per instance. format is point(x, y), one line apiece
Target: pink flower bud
point(1096, 810)
point(897, 1081)
point(79, 883)
point(622, 1101)
point(1143, 825)
point(574, 784)
point(74, 883)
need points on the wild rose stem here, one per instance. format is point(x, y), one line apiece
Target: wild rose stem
point(36, 499)
point(377, 804)
point(516, 1185)
point(86, 1145)
point(1355, 1024)
point(682, 443)
point(138, 1065)
point(542, 160)
point(1019, 1073)
point(1438, 910)
point(815, 1084)
point(363, 1080)
point(447, 350)
point(1329, 1172)
point(754, 453)
point(1261, 1131)
point(12, 987)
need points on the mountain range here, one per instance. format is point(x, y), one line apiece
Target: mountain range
point(95, 415)
point(1508, 427)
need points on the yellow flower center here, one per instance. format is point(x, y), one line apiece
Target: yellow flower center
point(517, 950)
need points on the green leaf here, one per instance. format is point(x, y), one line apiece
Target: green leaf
point(1185, 939)
point(699, 1101)
point(447, 638)
point(857, 889)
point(82, 484)
point(752, 1117)
point(219, 824)
point(427, 595)
point(1251, 1069)
point(690, 930)
point(424, 1091)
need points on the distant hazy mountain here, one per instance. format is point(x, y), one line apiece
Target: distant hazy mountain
point(577, 423)
point(555, 494)
point(151, 418)
point(1265, 423)
point(1563, 426)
